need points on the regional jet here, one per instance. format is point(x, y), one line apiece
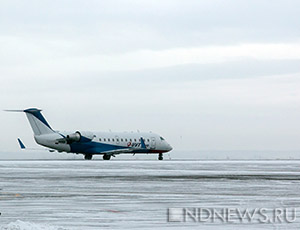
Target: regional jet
point(93, 143)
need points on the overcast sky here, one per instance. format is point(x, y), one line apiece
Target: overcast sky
point(206, 75)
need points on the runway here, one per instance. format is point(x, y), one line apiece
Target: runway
point(120, 194)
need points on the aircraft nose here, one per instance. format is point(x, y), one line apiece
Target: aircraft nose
point(169, 148)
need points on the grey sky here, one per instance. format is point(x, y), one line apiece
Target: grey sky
point(207, 75)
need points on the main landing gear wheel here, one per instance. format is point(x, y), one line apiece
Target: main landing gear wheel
point(88, 156)
point(160, 157)
point(106, 157)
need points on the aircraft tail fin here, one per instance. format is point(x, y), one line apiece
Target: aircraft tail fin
point(37, 121)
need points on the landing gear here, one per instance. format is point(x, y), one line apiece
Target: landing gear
point(106, 157)
point(88, 156)
point(160, 157)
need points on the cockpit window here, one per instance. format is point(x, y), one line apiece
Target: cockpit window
point(162, 138)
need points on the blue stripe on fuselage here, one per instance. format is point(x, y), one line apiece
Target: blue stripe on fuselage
point(93, 147)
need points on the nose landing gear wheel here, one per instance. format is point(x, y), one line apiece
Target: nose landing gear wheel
point(106, 157)
point(160, 157)
point(88, 156)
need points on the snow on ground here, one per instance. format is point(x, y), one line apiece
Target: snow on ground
point(120, 194)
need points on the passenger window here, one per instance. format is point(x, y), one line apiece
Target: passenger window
point(99, 139)
point(108, 139)
point(117, 140)
point(134, 139)
point(104, 139)
point(130, 140)
point(125, 140)
point(148, 140)
point(122, 140)
point(113, 140)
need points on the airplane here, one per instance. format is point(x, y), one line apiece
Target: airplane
point(93, 143)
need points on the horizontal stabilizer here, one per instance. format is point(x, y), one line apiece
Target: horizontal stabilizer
point(14, 110)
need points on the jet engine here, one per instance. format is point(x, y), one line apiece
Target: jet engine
point(80, 137)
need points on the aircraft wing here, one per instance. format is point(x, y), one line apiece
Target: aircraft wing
point(23, 147)
point(118, 151)
point(143, 145)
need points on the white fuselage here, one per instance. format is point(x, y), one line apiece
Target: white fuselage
point(90, 143)
point(154, 143)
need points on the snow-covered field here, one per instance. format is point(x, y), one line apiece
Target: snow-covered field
point(116, 194)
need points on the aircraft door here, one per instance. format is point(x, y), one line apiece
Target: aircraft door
point(153, 143)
